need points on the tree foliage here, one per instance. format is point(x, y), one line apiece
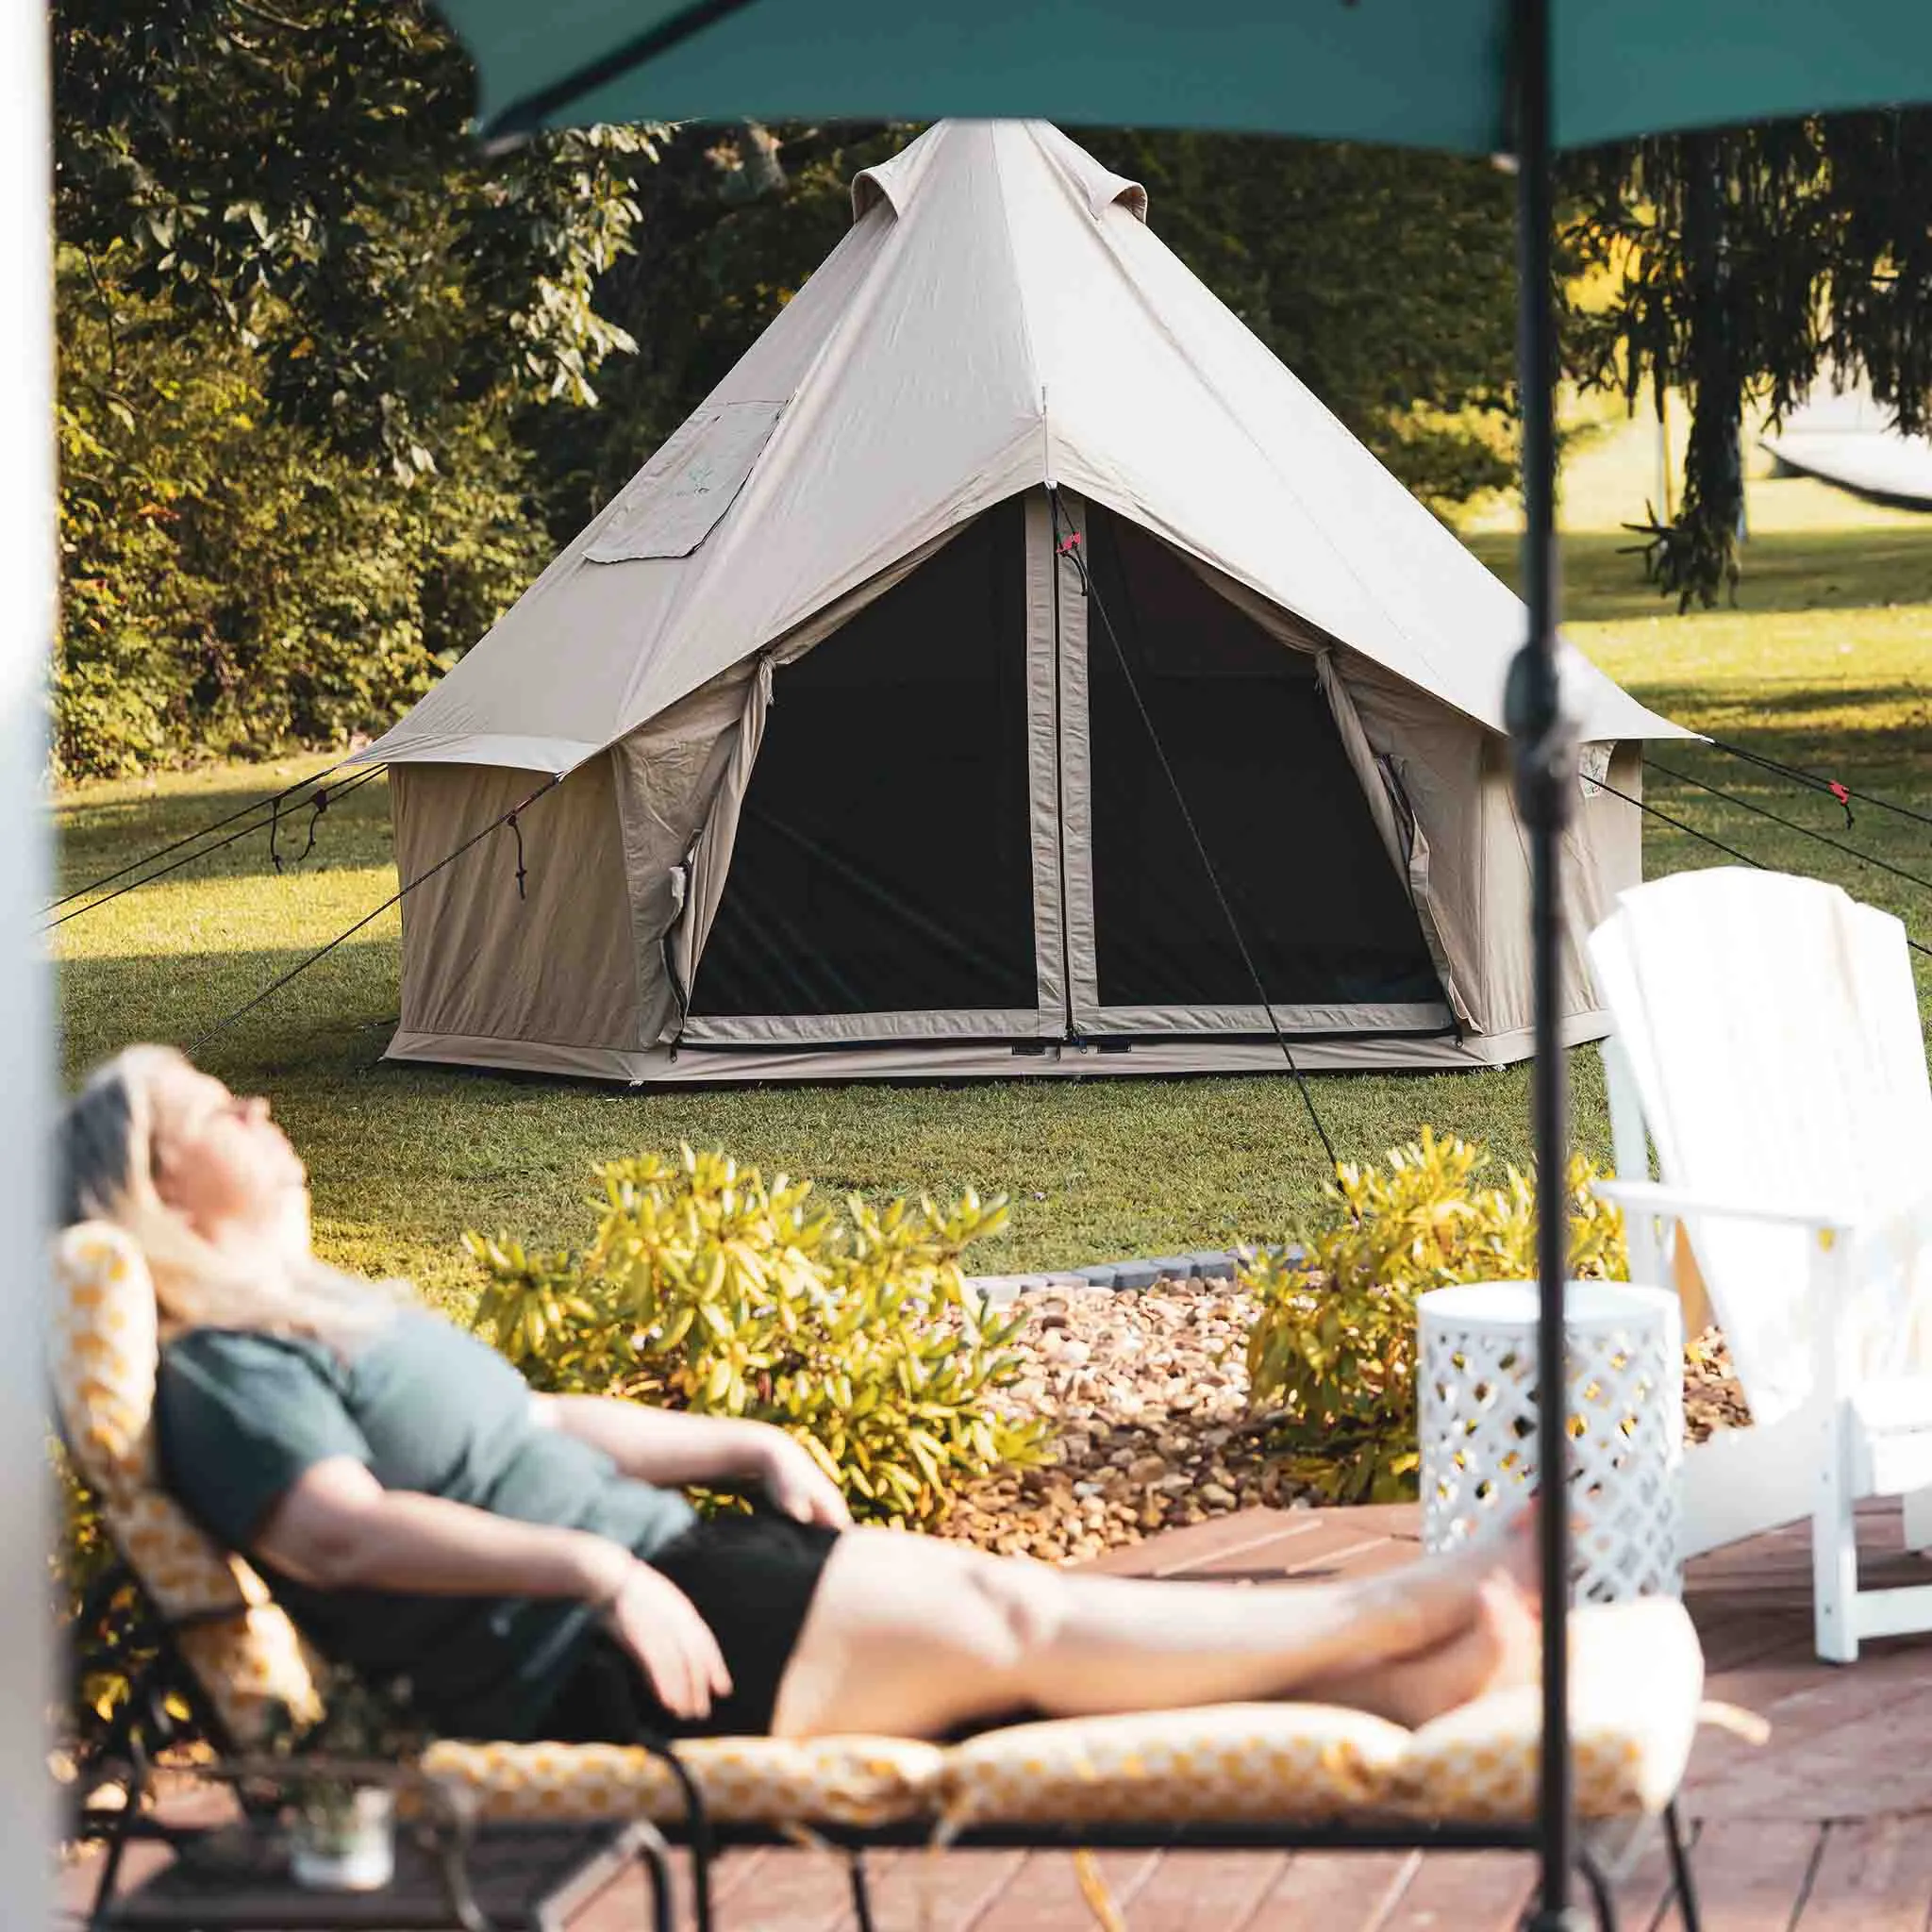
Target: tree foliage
point(300, 313)
point(1746, 264)
point(302, 175)
point(232, 582)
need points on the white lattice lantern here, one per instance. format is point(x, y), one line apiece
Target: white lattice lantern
point(1478, 1406)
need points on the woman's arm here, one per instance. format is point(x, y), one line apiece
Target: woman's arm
point(663, 1446)
point(337, 1527)
point(672, 1449)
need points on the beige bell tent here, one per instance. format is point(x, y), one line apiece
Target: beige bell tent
point(857, 690)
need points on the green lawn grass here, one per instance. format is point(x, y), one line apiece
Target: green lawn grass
point(1827, 662)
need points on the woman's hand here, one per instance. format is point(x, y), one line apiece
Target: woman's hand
point(795, 1484)
point(655, 1622)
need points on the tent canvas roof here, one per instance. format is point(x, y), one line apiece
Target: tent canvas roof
point(999, 316)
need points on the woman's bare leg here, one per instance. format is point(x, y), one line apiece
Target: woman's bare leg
point(1502, 1645)
point(909, 1636)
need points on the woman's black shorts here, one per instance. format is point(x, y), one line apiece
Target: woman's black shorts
point(752, 1580)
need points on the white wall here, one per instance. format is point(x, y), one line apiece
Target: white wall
point(27, 616)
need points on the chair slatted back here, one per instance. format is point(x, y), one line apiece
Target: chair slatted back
point(1770, 1028)
point(104, 1356)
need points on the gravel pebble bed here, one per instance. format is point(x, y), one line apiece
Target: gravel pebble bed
point(1713, 1399)
point(1146, 1390)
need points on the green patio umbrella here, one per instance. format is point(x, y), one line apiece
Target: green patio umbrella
point(1421, 73)
point(1520, 78)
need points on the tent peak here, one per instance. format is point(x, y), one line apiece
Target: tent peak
point(896, 182)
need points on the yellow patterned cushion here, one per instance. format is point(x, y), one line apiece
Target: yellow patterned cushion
point(856, 1781)
point(104, 1354)
point(1636, 1685)
point(1228, 1761)
point(1637, 1677)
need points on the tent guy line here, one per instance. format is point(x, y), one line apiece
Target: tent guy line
point(1816, 782)
point(1790, 824)
point(274, 986)
point(268, 803)
point(1643, 805)
point(208, 851)
point(319, 804)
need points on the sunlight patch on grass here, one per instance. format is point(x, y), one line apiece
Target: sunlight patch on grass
point(1611, 478)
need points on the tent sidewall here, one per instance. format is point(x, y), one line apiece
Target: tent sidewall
point(632, 863)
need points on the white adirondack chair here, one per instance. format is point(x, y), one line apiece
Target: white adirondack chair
point(1767, 1046)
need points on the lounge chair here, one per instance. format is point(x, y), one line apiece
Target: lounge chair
point(1768, 1046)
point(1273, 1774)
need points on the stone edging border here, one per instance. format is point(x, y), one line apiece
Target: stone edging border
point(1208, 1264)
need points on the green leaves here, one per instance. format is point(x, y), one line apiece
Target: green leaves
point(1333, 1349)
point(703, 1288)
point(233, 580)
point(308, 183)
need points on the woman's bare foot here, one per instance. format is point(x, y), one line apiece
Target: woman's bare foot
point(1431, 1603)
point(1499, 1647)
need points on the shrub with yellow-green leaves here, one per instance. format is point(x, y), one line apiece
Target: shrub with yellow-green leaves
point(1334, 1346)
point(850, 1328)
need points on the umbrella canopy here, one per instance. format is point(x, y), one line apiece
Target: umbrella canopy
point(1421, 73)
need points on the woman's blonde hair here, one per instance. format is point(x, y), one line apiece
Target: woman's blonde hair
point(106, 1162)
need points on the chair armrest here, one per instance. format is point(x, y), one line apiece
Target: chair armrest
point(1680, 1203)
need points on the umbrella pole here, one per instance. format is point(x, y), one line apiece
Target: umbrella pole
point(1546, 765)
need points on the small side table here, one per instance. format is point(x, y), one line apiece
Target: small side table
point(1478, 1401)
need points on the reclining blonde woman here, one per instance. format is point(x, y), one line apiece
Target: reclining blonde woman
point(529, 1563)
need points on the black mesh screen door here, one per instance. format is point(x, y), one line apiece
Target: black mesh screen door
point(881, 885)
point(1252, 741)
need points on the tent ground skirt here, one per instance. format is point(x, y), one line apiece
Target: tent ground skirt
point(982, 1059)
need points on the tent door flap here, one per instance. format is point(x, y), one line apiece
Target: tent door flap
point(1231, 843)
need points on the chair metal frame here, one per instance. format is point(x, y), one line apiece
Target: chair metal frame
point(145, 1725)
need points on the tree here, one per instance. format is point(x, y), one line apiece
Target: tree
point(1746, 264)
point(300, 312)
point(301, 176)
point(232, 582)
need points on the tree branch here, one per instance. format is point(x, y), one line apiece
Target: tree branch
point(270, 18)
point(106, 302)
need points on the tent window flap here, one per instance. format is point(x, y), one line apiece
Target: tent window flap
point(683, 491)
